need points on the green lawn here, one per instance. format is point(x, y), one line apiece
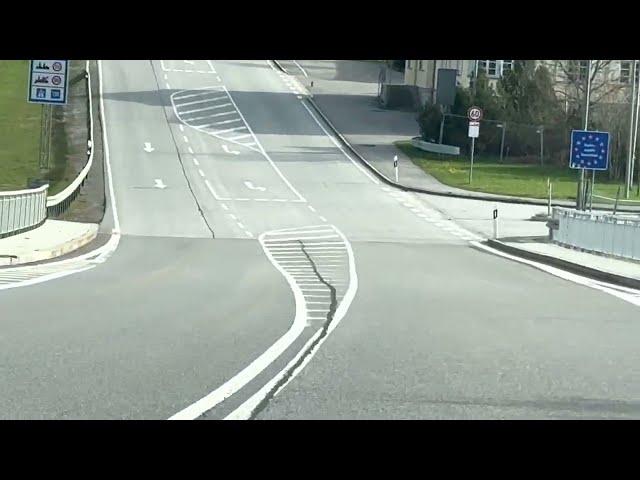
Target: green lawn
point(19, 127)
point(507, 179)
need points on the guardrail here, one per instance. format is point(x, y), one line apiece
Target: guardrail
point(59, 203)
point(23, 210)
point(614, 235)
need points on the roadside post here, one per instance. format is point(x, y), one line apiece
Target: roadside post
point(495, 221)
point(549, 202)
point(474, 114)
point(395, 166)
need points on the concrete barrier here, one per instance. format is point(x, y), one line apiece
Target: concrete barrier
point(420, 144)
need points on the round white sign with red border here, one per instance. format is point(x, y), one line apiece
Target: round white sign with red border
point(474, 114)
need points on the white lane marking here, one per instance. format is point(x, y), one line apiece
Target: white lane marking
point(312, 209)
point(233, 139)
point(314, 236)
point(213, 192)
point(288, 231)
point(190, 62)
point(168, 86)
point(225, 122)
point(181, 127)
point(190, 150)
point(238, 381)
point(250, 186)
point(232, 216)
point(148, 148)
point(185, 138)
point(244, 411)
point(226, 149)
point(219, 79)
point(213, 70)
point(301, 69)
point(196, 162)
point(224, 206)
point(201, 173)
point(240, 225)
point(337, 144)
point(225, 130)
point(248, 233)
point(627, 294)
point(166, 77)
point(114, 209)
point(322, 218)
point(263, 151)
point(159, 184)
point(213, 107)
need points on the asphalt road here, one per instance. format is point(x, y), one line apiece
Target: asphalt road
point(236, 227)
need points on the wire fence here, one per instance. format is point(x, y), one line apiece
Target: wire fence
point(507, 142)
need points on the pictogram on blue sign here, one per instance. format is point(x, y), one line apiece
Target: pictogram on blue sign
point(589, 150)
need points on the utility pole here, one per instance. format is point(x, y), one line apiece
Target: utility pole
point(635, 128)
point(631, 125)
point(581, 193)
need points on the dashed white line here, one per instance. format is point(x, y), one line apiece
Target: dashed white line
point(311, 208)
point(185, 138)
point(196, 162)
point(232, 216)
point(322, 218)
point(201, 173)
point(248, 233)
point(168, 86)
point(224, 206)
point(190, 150)
point(181, 127)
point(240, 225)
point(166, 77)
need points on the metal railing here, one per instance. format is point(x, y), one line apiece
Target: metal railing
point(59, 203)
point(22, 210)
point(614, 235)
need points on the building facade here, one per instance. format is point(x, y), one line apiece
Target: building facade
point(611, 78)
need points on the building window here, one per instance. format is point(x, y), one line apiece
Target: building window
point(584, 67)
point(420, 65)
point(490, 67)
point(409, 62)
point(507, 66)
point(625, 72)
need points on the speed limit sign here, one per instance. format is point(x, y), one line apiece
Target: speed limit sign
point(474, 114)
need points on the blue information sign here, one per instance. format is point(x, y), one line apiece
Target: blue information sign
point(589, 150)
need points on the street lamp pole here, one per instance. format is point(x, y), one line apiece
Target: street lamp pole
point(631, 125)
point(581, 194)
point(635, 128)
point(541, 132)
point(503, 126)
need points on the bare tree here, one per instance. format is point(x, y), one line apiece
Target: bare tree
point(571, 84)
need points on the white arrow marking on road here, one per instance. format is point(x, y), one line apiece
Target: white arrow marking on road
point(160, 183)
point(148, 148)
point(251, 187)
point(226, 149)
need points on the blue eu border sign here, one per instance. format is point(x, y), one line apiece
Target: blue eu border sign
point(589, 150)
point(48, 81)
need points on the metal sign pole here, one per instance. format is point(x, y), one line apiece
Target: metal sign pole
point(473, 147)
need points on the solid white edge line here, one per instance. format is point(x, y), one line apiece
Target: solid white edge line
point(572, 277)
point(243, 412)
point(243, 377)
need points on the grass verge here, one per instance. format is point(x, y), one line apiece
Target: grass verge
point(522, 180)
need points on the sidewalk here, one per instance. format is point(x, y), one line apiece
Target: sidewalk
point(346, 93)
point(53, 239)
